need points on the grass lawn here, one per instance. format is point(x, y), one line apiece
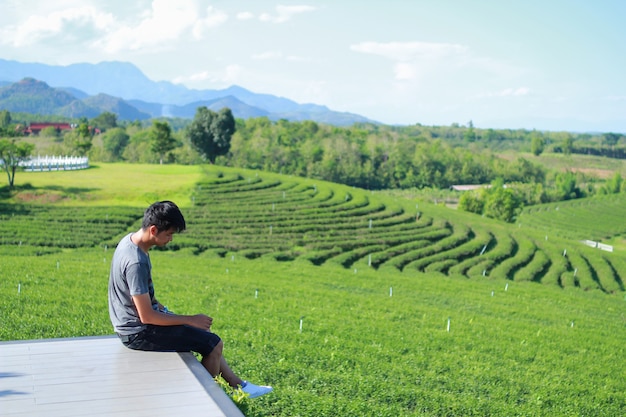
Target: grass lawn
point(114, 184)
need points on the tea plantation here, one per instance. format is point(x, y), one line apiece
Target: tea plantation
point(347, 302)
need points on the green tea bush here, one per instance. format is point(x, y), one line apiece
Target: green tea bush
point(535, 269)
point(594, 218)
point(524, 252)
point(525, 349)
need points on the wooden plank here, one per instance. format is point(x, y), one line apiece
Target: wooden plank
point(99, 376)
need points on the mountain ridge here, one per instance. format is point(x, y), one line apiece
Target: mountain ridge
point(126, 82)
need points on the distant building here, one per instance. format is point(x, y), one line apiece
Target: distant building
point(468, 187)
point(472, 187)
point(35, 128)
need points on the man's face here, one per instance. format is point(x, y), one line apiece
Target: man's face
point(164, 237)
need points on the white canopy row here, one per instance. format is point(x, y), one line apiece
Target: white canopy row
point(55, 163)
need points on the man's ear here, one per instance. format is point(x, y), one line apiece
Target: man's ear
point(153, 230)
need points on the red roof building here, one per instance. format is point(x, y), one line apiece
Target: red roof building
point(35, 128)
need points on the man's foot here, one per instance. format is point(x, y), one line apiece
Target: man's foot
point(255, 390)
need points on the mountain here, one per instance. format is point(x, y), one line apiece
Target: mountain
point(79, 94)
point(124, 80)
point(115, 105)
point(34, 96)
point(239, 108)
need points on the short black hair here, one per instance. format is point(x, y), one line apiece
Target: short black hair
point(165, 215)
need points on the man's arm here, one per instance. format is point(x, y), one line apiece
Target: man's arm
point(148, 315)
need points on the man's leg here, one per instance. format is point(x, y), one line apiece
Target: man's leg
point(216, 365)
point(185, 339)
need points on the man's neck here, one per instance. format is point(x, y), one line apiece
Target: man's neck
point(142, 239)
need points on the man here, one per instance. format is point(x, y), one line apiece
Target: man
point(141, 322)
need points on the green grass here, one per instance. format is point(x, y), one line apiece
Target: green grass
point(374, 341)
point(593, 166)
point(135, 185)
point(530, 350)
point(596, 218)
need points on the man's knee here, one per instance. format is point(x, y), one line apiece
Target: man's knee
point(217, 350)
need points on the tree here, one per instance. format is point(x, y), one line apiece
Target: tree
point(568, 144)
point(471, 202)
point(611, 139)
point(566, 187)
point(5, 119)
point(470, 134)
point(50, 132)
point(114, 142)
point(502, 203)
point(79, 140)
point(210, 133)
point(138, 148)
point(105, 120)
point(523, 170)
point(613, 186)
point(11, 154)
point(537, 144)
point(161, 139)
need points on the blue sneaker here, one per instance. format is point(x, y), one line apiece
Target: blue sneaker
point(254, 391)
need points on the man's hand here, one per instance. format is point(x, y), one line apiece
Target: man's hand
point(201, 321)
point(148, 315)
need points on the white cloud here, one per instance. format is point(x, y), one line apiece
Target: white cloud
point(245, 15)
point(201, 76)
point(423, 63)
point(521, 91)
point(278, 55)
point(404, 71)
point(406, 51)
point(213, 19)
point(231, 74)
point(413, 60)
point(77, 23)
point(285, 13)
point(164, 21)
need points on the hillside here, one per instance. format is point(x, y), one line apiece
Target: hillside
point(33, 96)
point(37, 97)
point(282, 265)
point(290, 219)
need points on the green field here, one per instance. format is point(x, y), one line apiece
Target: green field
point(407, 308)
point(592, 166)
point(115, 184)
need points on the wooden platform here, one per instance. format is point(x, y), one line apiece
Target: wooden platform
point(98, 376)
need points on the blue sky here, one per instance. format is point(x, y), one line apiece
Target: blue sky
point(549, 65)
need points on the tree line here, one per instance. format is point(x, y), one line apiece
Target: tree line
point(369, 156)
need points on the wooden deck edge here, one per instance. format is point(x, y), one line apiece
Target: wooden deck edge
point(55, 339)
point(223, 401)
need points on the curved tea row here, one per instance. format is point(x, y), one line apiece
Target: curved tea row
point(290, 218)
point(356, 229)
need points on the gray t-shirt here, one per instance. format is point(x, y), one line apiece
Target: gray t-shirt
point(130, 275)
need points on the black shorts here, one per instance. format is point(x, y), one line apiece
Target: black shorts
point(172, 339)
